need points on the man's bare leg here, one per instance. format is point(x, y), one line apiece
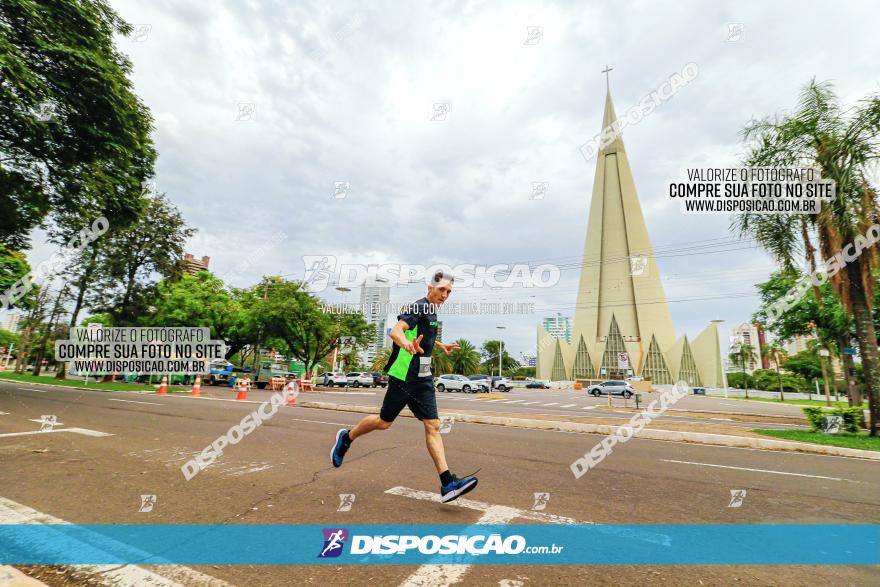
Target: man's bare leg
point(435, 444)
point(369, 424)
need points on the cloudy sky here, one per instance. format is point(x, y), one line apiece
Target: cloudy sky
point(344, 92)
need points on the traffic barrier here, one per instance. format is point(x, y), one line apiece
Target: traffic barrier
point(197, 386)
point(292, 389)
point(242, 390)
point(163, 387)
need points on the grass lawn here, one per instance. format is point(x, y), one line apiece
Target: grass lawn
point(861, 440)
point(797, 402)
point(28, 378)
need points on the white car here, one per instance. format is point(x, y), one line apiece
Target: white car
point(450, 382)
point(332, 378)
point(357, 379)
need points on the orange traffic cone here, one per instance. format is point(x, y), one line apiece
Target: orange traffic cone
point(291, 396)
point(163, 387)
point(242, 391)
point(197, 386)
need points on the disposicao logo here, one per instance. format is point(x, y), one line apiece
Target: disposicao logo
point(334, 541)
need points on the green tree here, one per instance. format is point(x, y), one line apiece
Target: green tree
point(153, 245)
point(13, 266)
point(72, 131)
point(201, 300)
point(381, 359)
point(466, 359)
point(441, 363)
point(287, 311)
point(776, 354)
point(842, 144)
point(743, 354)
point(805, 364)
point(490, 352)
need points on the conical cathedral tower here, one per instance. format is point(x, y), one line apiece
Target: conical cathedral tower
point(622, 325)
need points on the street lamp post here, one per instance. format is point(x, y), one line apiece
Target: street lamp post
point(344, 291)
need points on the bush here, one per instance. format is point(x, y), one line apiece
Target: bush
point(852, 417)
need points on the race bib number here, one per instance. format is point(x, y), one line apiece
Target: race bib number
point(424, 366)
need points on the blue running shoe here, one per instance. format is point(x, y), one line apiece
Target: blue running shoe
point(456, 488)
point(337, 453)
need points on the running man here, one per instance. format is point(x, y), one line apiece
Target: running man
point(410, 384)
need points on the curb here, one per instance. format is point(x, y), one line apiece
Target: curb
point(645, 434)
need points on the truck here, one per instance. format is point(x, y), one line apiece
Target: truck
point(219, 371)
point(267, 370)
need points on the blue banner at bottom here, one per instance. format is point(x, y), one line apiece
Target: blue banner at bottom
point(516, 544)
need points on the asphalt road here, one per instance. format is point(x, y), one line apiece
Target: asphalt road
point(281, 474)
point(531, 402)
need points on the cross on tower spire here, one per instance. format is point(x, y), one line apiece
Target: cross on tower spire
point(607, 82)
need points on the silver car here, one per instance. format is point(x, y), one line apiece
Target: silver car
point(612, 387)
point(451, 382)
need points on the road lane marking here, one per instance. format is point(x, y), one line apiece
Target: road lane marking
point(441, 575)
point(131, 401)
point(320, 422)
point(590, 408)
point(552, 404)
point(760, 470)
point(83, 431)
point(568, 406)
point(119, 576)
point(40, 421)
point(516, 401)
point(32, 389)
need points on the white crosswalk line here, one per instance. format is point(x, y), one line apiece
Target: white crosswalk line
point(568, 405)
point(116, 575)
point(551, 404)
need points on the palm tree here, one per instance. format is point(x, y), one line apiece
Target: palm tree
point(744, 353)
point(775, 353)
point(380, 359)
point(843, 145)
point(465, 360)
point(441, 363)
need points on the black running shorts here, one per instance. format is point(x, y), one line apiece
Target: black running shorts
point(418, 396)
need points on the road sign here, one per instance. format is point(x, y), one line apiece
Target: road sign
point(622, 360)
point(849, 351)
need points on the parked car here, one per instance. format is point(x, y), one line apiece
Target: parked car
point(482, 380)
point(379, 378)
point(358, 379)
point(332, 378)
point(453, 382)
point(537, 384)
point(611, 388)
point(501, 383)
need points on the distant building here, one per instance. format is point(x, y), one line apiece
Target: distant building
point(798, 344)
point(439, 331)
point(747, 334)
point(375, 296)
point(192, 266)
point(559, 326)
point(11, 322)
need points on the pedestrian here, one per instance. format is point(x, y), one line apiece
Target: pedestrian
point(410, 383)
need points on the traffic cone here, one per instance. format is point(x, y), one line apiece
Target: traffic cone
point(242, 391)
point(291, 396)
point(197, 386)
point(163, 387)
